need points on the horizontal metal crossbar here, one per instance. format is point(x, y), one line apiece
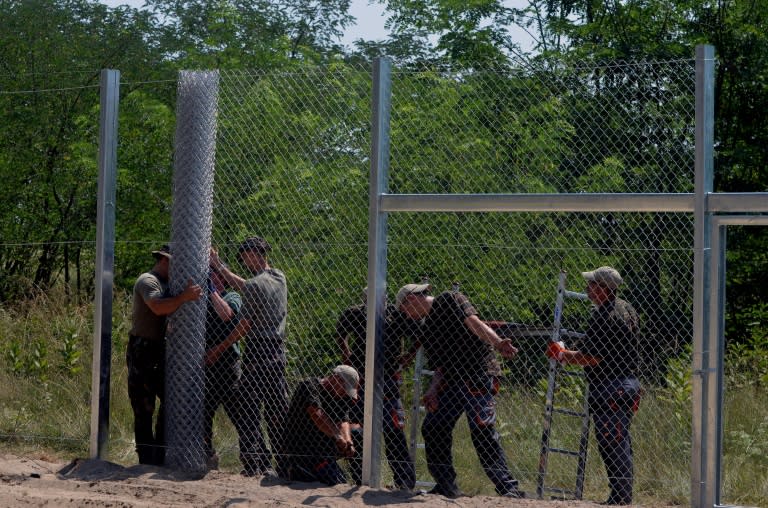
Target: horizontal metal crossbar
point(721, 202)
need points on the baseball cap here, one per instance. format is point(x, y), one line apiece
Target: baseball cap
point(605, 276)
point(350, 377)
point(411, 289)
point(162, 252)
point(255, 243)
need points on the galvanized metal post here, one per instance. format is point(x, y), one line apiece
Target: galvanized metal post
point(704, 463)
point(377, 272)
point(105, 261)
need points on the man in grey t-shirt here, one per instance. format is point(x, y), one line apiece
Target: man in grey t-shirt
point(145, 354)
point(263, 384)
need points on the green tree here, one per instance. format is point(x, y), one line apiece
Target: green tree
point(49, 66)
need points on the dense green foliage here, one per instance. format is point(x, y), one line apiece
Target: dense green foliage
point(50, 68)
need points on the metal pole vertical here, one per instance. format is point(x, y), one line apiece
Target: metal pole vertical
point(377, 272)
point(105, 261)
point(717, 352)
point(191, 221)
point(703, 476)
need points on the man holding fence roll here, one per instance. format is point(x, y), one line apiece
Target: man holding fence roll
point(609, 356)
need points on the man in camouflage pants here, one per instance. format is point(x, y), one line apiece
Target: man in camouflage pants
point(609, 355)
point(145, 355)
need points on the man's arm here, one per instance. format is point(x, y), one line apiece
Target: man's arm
point(487, 335)
point(215, 352)
point(222, 308)
point(228, 275)
point(162, 306)
point(339, 432)
point(558, 352)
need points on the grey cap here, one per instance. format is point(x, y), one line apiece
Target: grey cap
point(350, 377)
point(605, 276)
point(411, 289)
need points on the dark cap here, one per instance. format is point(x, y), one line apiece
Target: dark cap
point(162, 252)
point(256, 244)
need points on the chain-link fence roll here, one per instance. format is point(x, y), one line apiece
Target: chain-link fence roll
point(190, 239)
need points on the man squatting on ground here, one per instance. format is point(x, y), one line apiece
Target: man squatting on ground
point(222, 376)
point(352, 324)
point(319, 431)
point(609, 356)
point(262, 322)
point(460, 350)
point(145, 355)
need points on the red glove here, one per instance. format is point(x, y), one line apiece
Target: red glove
point(555, 350)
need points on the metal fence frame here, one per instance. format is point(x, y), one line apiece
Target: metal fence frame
point(706, 463)
point(709, 272)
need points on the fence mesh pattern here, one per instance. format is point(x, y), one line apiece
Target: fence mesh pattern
point(292, 161)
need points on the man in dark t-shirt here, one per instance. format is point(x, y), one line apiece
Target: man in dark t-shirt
point(609, 356)
point(222, 376)
point(460, 350)
point(317, 428)
point(352, 324)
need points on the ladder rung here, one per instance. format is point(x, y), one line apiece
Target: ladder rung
point(564, 452)
point(420, 446)
point(569, 412)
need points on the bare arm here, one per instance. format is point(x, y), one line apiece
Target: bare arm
point(168, 305)
point(222, 308)
point(487, 335)
point(215, 352)
point(579, 358)
point(232, 278)
point(341, 433)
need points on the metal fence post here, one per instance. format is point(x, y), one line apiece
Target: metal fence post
point(377, 271)
point(704, 462)
point(105, 261)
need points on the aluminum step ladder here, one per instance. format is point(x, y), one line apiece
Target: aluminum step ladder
point(417, 410)
point(556, 371)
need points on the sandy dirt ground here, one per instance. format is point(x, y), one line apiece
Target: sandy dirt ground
point(35, 482)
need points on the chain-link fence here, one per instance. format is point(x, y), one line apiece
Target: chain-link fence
point(292, 167)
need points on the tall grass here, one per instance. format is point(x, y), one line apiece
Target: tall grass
point(45, 393)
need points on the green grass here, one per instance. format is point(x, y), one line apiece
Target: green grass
point(45, 385)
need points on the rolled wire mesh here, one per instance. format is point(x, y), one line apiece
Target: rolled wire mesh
point(292, 164)
point(190, 240)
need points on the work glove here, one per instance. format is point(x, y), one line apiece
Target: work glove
point(556, 350)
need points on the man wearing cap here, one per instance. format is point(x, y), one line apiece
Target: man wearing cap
point(609, 356)
point(460, 350)
point(145, 355)
point(317, 430)
point(262, 322)
point(352, 324)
